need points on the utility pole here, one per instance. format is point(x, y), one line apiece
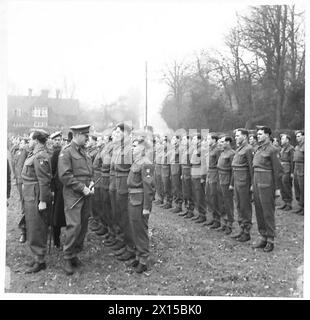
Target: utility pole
point(145, 93)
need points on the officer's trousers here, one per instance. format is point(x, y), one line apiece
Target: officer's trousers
point(198, 189)
point(264, 201)
point(187, 188)
point(166, 179)
point(286, 188)
point(36, 221)
point(214, 195)
point(122, 208)
point(243, 198)
point(139, 225)
point(299, 183)
point(97, 206)
point(77, 222)
point(228, 201)
point(159, 182)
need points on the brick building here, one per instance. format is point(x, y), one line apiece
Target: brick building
point(49, 113)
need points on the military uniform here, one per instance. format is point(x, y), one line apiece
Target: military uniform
point(176, 185)
point(75, 172)
point(158, 179)
point(19, 160)
point(59, 219)
point(106, 155)
point(36, 175)
point(242, 180)
point(115, 213)
point(94, 222)
point(166, 177)
point(225, 179)
point(122, 164)
point(92, 152)
point(286, 158)
point(299, 162)
point(97, 200)
point(186, 179)
point(198, 173)
point(213, 191)
point(141, 188)
point(266, 180)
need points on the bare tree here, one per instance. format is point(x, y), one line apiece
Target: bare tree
point(176, 76)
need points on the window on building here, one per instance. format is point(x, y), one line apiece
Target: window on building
point(40, 124)
point(18, 112)
point(39, 112)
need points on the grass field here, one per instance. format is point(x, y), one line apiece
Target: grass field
point(186, 260)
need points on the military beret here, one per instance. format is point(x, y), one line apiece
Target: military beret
point(124, 127)
point(299, 131)
point(42, 131)
point(264, 128)
point(285, 134)
point(181, 132)
point(242, 130)
point(80, 128)
point(56, 134)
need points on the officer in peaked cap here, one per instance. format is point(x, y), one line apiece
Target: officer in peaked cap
point(75, 172)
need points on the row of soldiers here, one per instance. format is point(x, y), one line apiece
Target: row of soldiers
point(210, 176)
point(116, 176)
point(113, 183)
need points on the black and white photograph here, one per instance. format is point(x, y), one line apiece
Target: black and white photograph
point(154, 148)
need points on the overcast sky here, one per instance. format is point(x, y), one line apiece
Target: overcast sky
point(101, 47)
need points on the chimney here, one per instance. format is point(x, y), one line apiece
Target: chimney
point(44, 93)
point(29, 92)
point(57, 93)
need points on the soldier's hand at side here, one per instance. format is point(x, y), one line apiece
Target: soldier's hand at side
point(277, 193)
point(86, 191)
point(42, 205)
point(292, 175)
point(202, 180)
point(231, 187)
point(145, 212)
point(251, 188)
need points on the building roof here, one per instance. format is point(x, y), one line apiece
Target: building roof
point(59, 106)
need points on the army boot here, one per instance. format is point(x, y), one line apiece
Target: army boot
point(68, 267)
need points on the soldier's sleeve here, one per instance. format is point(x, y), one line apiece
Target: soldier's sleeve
point(204, 162)
point(42, 169)
point(96, 162)
point(148, 185)
point(65, 172)
point(8, 181)
point(232, 173)
point(291, 154)
point(249, 156)
point(275, 162)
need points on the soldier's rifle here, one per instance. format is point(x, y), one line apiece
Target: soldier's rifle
point(83, 196)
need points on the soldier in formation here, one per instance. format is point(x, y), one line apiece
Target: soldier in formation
point(115, 181)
